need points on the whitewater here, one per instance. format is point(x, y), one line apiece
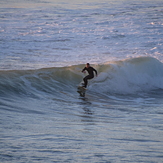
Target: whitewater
point(44, 45)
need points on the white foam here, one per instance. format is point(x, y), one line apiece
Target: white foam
point(130, 76)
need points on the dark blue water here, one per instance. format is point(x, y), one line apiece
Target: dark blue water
point(45, 45)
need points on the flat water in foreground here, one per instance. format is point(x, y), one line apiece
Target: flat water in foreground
point(85, 130)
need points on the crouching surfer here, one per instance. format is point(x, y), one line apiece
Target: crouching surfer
point(90, 70)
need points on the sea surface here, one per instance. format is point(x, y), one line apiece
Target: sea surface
point(44, 45)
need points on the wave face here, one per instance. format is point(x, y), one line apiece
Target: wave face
point(130, 76)
point(36, 82)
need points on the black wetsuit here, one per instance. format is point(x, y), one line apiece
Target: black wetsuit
point(90, 76)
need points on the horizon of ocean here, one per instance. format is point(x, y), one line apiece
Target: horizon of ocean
point(44, 46)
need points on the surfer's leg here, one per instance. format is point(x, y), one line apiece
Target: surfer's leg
point(86, 80)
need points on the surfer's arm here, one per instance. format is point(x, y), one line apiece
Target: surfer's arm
point(84, 70)
point(95, 71)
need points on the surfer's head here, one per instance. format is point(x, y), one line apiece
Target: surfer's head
point(87, 65)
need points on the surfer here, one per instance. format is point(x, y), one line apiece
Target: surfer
point(90, 72)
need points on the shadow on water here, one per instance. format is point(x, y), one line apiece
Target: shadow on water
point(86, 103)
point(87, 106)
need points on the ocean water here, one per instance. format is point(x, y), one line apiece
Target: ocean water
point(44, 45)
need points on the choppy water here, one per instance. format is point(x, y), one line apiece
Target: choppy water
point(44, 46)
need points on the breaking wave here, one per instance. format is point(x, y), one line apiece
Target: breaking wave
point(131, 76)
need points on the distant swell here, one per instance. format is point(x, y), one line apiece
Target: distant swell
point(130, 76)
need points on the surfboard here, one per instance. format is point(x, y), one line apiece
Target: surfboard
point(81, 88)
